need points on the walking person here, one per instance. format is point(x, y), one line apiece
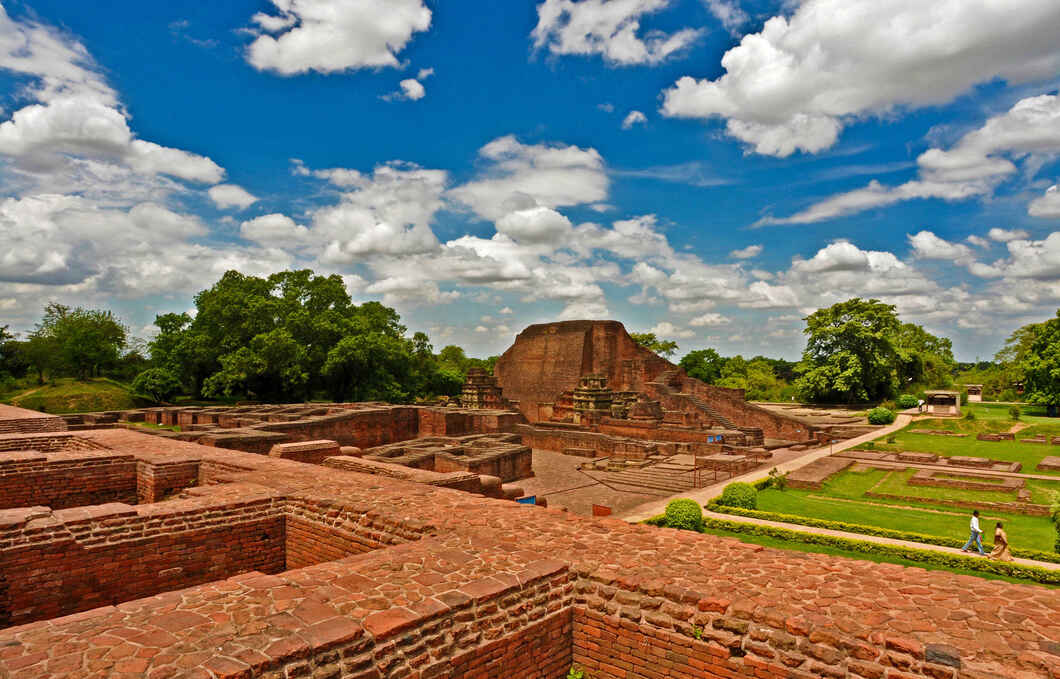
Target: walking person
point(976, 537)
point(1001, 551)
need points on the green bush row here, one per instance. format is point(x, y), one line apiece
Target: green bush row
point(716, 506)
point(943, 559)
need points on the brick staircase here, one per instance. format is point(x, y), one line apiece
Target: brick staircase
point(662, 384)
point(667, 477)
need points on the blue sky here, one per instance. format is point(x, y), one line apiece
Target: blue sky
point(711, 170)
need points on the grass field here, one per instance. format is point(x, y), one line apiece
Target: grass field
point(989, 417)
point(842, 499)
point(67, 395)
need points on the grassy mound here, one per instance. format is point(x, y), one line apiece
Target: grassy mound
point(67, 395)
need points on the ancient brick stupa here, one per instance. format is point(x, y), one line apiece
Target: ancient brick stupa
point(592, 374)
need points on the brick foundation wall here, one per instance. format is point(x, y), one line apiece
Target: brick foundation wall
point(362, 428)
point(58, 481)
point(62, 576)
point(543, 650)
point(311, 542)
point(158, 480)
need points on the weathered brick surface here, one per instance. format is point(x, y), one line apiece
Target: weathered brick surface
point(14, 420)
point(461, 585)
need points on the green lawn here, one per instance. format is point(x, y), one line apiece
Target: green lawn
point(777, 543)
point(67, 395)
point(989, 417)
point(1028, 532)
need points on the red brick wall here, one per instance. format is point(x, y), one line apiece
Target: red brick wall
point(60, 577)
point(156, 481)
point(310, 542)
point(28, 479)
point(361, 428)
point(540, 651)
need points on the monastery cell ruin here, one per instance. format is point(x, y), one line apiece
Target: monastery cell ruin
point(367, 540)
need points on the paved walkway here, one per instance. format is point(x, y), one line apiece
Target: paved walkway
point(800, 459)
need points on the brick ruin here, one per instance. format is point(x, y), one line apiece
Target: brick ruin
point(587, 388)
point(129, 555)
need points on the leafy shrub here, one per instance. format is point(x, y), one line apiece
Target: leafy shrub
point(740, 495)
point(575, 673)
point(1014, 412)
point(889, 405)
point(964, 398)
point(881, 416)
point(892, 438)
point(684, 514)
point(778, 479)
point(1007, 395)
point(157, 383)
point(969, 415)
point(907, 401)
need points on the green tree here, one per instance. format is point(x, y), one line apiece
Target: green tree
point(923, 359)
point(84, 341)
point(703, 364)
point(368, 366)
point(159, 384)
point(851, 353)
point(649, 341)
point(1039, 363)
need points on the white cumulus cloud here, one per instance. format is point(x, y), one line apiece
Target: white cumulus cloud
point(610, 28)
point(227, 196)
point(330, 36)
point(634, 118)
point(795, 84)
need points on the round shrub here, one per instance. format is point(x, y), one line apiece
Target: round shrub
point(684, 514)
point(740, 495)
point(1014, 412)
point(881, 416)
point(156, 383)
point(907, 401)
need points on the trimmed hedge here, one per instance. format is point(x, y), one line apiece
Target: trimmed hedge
point(716, 506)
point(684, 514)
point(906, 401)
point(881, 416)
point(739, 495)
point(971, 563)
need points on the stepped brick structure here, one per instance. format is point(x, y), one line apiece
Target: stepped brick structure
point(575, 378)
point(204, 563)
point(481, 391)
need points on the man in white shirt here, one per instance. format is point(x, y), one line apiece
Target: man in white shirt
point(977, 535)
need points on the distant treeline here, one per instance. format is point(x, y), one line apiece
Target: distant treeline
point(297, 336)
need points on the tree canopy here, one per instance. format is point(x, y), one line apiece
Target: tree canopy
point(81, 341)
point(858, 351)
point(294, 334)
point(649, 341)
point(1035, 350)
